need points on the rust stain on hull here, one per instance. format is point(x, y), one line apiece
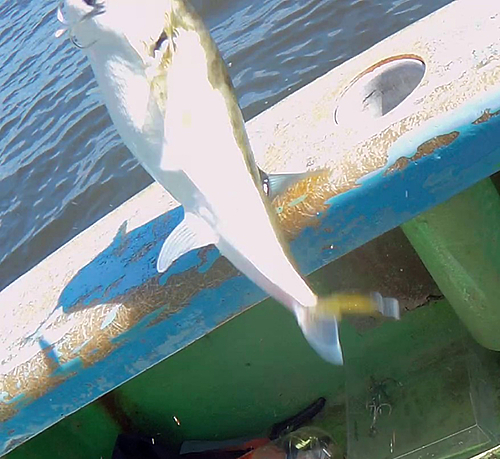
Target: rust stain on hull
point(298, 207)
point(426, 149)
point(35, 377)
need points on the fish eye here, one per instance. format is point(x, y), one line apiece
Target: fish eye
point(161, 39)
point(97, 8)
point(266, 186)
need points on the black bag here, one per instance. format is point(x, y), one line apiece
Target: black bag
point(141, 447)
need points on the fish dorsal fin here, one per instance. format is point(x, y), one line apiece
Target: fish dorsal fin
point(275, 184)
point(192, 233)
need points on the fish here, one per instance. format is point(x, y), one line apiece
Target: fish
point(171, 99)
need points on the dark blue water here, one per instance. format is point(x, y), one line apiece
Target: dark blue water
point(62, 165)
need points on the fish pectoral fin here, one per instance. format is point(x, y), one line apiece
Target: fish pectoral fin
point(275, 184)
point(279, 183)
point(192, 233)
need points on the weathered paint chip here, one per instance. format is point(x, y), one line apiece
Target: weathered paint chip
point(425, 149)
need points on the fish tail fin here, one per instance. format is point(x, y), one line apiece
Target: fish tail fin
point(321, 332)
point(319, 323)
point(388, 307)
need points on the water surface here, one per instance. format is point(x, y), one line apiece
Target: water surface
point(62, 164)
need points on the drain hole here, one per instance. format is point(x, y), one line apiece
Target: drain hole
point(379, 90)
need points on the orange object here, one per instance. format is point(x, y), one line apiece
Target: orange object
point(269, 451)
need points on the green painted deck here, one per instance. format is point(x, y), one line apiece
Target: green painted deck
point(235, 382)
point(255, 370)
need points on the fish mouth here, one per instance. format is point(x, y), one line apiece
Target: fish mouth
point(62, 20)
point(97, 9)
point(68, 26)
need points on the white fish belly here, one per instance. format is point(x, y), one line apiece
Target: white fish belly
point(202, 144)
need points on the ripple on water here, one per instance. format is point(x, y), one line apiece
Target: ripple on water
point(62, 166)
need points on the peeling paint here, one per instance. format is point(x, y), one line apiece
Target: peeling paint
point(100, 324)
point(300, 205)
point(298, 132)
point(426, 149)
point(40, 374)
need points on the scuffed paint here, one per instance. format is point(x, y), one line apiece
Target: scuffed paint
point(427, 148)
point(302, 202)
point(112, 316)
point(325, 218)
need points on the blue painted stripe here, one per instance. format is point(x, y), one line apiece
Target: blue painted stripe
point(353, 218)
